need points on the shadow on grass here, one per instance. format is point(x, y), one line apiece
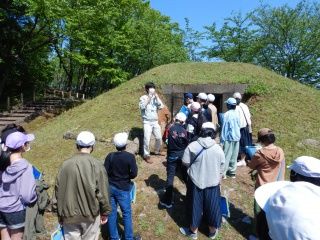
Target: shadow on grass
point(235, 220)
point(137, 132)
point(178, 211)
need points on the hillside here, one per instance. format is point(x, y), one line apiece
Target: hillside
point(288, 107)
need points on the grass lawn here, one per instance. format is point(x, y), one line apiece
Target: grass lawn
point(288, 107)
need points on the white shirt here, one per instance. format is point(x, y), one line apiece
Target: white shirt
point(244, 114)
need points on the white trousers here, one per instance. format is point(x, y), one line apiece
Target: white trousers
point(151, 127)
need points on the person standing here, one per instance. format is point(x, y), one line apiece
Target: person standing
point(17, 186)
point(177, 143)
point(188, 99)
point(121, 168)
point(230, 137)
point(81, 191)
point(205, 161)
point(245, 128)
point(268, 162)
point(213, 110)
point(194, 122)
point(149, 105)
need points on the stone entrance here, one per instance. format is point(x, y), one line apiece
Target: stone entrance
point(173, 94)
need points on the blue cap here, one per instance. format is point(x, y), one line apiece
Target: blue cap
point(188, 95)
point(231, 101)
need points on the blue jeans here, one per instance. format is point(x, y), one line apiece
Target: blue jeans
point(122, 198)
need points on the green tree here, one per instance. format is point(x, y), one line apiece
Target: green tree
point(290, 39)
point(235, 41)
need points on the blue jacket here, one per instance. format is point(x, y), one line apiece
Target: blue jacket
point(231, 127)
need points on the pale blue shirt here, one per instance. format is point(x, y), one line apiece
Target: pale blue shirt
point(231, 127)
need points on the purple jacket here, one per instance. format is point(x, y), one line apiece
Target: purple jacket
point(17, 186)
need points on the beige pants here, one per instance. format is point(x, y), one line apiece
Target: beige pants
point(84, 230)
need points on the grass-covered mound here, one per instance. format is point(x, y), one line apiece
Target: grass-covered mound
point(291, 109)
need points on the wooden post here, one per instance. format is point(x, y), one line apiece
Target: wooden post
point(34, 95)
point(21, 98)
point(70, 94)
point(77, 95)
point(8, 103)
point(83, 96)
point(62, 94)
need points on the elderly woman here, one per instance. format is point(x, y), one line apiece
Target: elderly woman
point(205, 161)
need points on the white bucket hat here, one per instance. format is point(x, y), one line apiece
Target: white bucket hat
point(306, 166)
point(292, 209)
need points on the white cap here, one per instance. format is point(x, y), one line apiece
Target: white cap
point(237, 95)
point(202, 96)
point(306, 166)
point(208, 125)
point(181, 117)
point(211, 97)
point(120, 139)
point(292, 209)
point(85, 139)
point(195, 106)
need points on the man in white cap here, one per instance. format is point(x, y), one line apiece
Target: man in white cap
point(213, 110)
point(305, 169)
point(149, 105)
point(291, 211)
point(121, 168)
point(205, 161)
point(81, 191)
point(195, 121)
point(230, 137)
point(245, 128)
point(177, 143)
point(203, 100)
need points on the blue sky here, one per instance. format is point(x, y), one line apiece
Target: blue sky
point(205, 12)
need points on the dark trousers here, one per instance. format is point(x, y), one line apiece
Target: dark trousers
point(203, 202)
point(173, 167)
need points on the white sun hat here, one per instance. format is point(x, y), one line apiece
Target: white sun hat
point(292, 209)
point(120, 139)
point(85, 139)
point(306, 166)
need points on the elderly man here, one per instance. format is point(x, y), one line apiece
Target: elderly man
point(149, 105)
point(205, 161)
point(81, 192)
point(245, 128)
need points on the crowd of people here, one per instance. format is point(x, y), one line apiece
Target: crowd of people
point(202, 148)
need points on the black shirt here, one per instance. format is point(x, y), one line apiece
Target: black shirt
point(177, 140)
point(121, 168)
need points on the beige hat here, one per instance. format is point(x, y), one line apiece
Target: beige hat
point(85, 139)
point(195, 106)
point(237, 95)
point(181, 117)
point(120, 139)
point(211, 97)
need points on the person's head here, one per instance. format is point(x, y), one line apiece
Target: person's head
point(211, 98)
point(266, 136)
point(305, 169)
point(180, 118)
point(231, 103)
point(120, 141)
point(85, 141)
point(18, 142)
point(202, 98)
point(208, 129)
point(238, 97)
point(188, 98)
point(150, 88)
point(195, 107)
point(291, 209)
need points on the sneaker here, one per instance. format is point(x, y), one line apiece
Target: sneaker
point(148, 159)
point(187, 232)
point(233, 176)
point(165, 204)
point(241, 163)
point(213, 235)
point(224, 176)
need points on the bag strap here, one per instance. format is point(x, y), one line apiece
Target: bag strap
point(194, 159)
point(244, 114)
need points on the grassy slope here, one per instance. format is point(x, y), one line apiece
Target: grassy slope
point(291, 109)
